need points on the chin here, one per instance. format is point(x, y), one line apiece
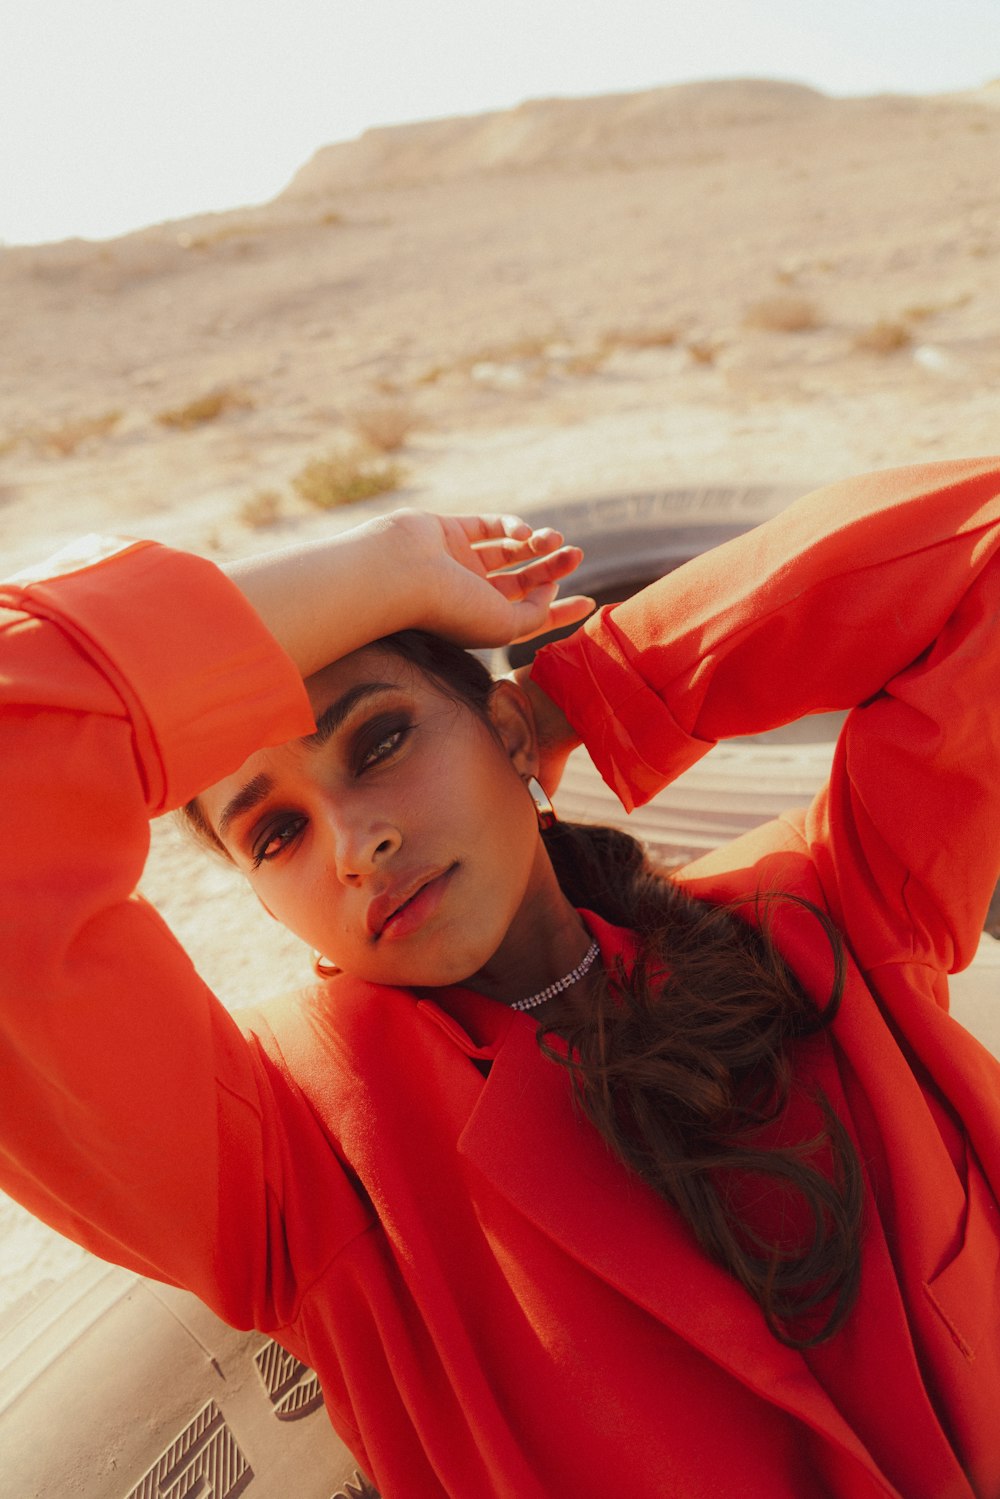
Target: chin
point(452, 969)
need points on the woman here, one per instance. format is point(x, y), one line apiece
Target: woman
point(781, 1279)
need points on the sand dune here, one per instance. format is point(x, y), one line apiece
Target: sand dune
point(560, 295)
point(617, 131)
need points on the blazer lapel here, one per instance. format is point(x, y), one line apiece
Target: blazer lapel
point(526, 1136)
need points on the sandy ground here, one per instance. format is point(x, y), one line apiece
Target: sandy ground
point(711, 284)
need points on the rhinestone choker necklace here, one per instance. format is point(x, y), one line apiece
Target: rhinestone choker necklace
point(584, 966)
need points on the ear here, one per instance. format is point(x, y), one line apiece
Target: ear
point(514, 721)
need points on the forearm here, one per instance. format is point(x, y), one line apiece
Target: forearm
point(322, 599)
point(450, 575)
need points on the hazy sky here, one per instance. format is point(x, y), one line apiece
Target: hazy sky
point(120, 113)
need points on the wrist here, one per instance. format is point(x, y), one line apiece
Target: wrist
point(415, 578)
point(322, 599)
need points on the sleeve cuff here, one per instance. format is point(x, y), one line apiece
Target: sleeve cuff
point(630, 734)
point(203, 681)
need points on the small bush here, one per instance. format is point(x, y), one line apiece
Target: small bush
point(63, 439)
point(261, 509)
point(344, 478)
point(883, 338)
point(640, 338)
point(919, 312)
point(702, 350)
point(386, 426)
point(530, 346)
point(587, 362)
point(783, 314)
point(204, 409)
point(69, 435)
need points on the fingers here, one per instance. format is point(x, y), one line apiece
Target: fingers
point(510, 552)
point(479, 528)
point(543, 570)
point(521, 564)
point(504, 540)
point(541, 611)
point(570, 610)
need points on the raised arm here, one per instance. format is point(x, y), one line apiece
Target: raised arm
point(876, 594)
point(413, 570)
point(133, 1115)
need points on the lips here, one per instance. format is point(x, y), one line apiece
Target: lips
point(406, 904)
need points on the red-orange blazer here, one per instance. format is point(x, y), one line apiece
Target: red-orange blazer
point(495, 1308)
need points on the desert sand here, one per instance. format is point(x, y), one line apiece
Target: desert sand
point(721, 283)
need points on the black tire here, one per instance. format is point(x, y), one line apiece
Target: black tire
point(630, 540)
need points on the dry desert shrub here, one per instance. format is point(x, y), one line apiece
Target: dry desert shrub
point(532, 352)
point(64, 439)
point(783, 313)
point(385, 426)
point(587, 361)
point(883, 338)
point(262, 509)
point(640, 338)
point(202, 409)
point(528, 347)
point(919, 312)
point(702, 350)
point(344, 477)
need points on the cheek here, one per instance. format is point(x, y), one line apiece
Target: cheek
point(305, 908)
point(470, 803)
point(507, 826)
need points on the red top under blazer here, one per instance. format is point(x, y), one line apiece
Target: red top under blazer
point(496, 1310)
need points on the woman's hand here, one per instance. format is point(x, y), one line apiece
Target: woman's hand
point(469, 596)
point(412, 570)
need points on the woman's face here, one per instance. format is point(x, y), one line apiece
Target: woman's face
point(399, 840)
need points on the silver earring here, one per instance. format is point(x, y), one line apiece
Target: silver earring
point(544, 810)
point(322, 967)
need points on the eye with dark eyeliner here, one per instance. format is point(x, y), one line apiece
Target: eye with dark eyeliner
point(378, 740)
point(281, 832)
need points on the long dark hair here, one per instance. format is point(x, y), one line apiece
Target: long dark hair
point(686, 1061)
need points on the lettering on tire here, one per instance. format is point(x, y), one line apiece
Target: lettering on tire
point(204, 1462)
point(291, 1386)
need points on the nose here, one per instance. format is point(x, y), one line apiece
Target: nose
point(361, 842)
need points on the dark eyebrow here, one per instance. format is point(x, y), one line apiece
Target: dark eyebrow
point(329, 721)
point(252, 794)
